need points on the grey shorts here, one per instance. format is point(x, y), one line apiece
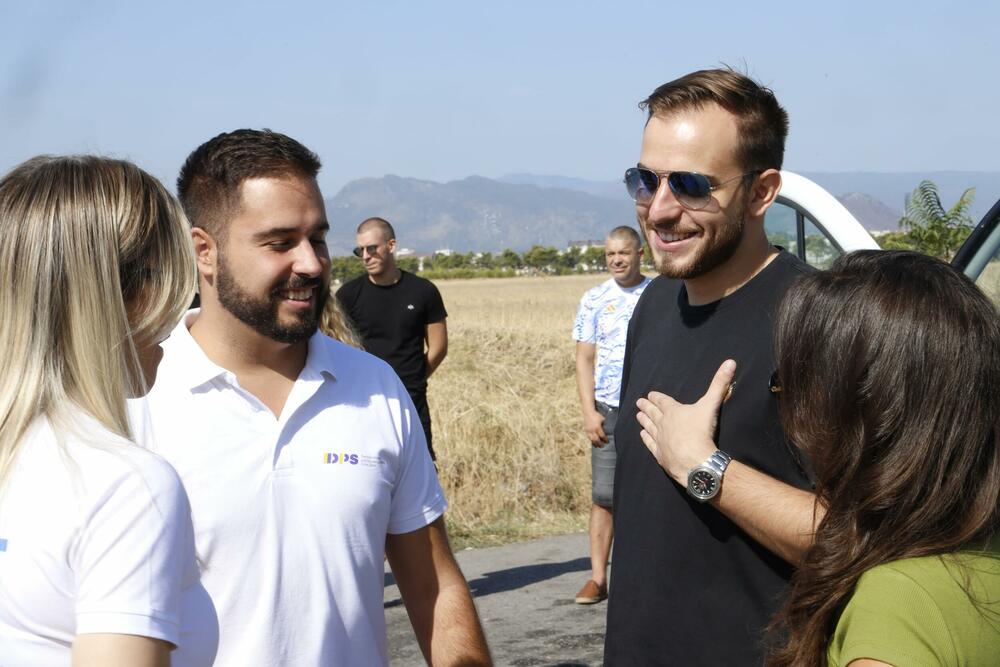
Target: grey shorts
point(602, 460)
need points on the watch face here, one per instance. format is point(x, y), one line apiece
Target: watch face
point(703, 484)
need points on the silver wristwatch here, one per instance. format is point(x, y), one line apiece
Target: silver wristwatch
point(704, 481)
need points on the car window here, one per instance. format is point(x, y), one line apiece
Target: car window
point(798, 233)
point(988, 279)
point(979, 257)
point(780, 227)
point(820, 251)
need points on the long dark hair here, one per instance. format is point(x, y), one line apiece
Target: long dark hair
point(890, 371)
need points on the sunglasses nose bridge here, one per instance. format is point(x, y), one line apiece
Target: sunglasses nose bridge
point(664, 202)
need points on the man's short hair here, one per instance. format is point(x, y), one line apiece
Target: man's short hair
point(626, 232)
point(761, 122)
point(380, 224)
point(209, 183)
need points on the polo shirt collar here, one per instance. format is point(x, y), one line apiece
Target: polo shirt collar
point(199, 370)
point(321, 359)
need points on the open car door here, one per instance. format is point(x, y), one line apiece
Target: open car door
point(979, 256)
point(808, 221)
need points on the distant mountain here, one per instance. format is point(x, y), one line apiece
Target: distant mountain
point(888, 188)
point(892, 188)
point(870, 212)
point(474, 213)
point(609, 189)
point(521, 210)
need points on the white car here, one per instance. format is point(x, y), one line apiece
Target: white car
point(809, 221)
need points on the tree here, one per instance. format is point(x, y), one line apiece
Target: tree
point(593, 258)
point(410, 264)
point(509, 259)
point(455, 260)
point(345, 268)
point(928, 227)
point(542, 258)
point(570, 258)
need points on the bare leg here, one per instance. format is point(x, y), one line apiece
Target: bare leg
point(601, 535)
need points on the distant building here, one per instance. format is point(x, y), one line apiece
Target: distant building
point(584, 246)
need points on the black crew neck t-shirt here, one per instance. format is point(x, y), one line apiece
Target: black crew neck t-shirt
point(392, 321)
point(688, 587)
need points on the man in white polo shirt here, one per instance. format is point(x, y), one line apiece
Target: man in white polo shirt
point(303, 458)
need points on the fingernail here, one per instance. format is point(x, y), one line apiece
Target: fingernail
point(729, 366)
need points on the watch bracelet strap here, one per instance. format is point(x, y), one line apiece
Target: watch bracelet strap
point(719, 461)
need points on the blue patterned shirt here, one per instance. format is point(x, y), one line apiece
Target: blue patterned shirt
point(602, 320)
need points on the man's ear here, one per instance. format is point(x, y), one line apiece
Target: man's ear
point(206, 252)
point(763, 192)
point(392, 245)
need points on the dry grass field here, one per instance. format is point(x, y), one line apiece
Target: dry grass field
point(507, 429)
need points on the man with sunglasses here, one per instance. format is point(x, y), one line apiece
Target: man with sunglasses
point(400, 316)
point(701, 555)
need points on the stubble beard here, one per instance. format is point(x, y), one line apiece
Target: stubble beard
point(727, 240)
point(261, 313)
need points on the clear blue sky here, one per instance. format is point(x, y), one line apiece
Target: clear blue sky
point(442, 90)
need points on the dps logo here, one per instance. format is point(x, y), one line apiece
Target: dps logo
point(330, 457)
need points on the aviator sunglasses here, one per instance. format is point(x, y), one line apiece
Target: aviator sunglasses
point(692, 190)
point(359, 251)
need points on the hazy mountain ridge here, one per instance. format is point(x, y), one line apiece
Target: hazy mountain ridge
point(521, 210)
point(875, 215)
point(474, 213)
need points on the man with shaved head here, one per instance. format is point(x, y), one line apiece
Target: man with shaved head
point(599, 331)
point(400, 316)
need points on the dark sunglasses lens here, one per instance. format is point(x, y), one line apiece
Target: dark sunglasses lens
point(641, 183)
point(357, 251)
point(689, 184)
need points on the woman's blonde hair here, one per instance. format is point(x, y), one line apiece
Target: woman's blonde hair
point(95, 261)
point(335, 323)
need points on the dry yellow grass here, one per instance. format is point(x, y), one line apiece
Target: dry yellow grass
point(511, 451)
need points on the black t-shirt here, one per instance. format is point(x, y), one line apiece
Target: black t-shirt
point(392, 321)
point(687, 586)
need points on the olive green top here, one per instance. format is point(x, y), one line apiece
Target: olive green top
point(917, 612)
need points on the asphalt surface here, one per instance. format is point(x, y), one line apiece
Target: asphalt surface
point(524, 593)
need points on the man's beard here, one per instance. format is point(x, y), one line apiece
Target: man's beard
point(728, 237)
point(261, 313)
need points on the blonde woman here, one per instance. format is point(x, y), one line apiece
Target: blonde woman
point(97, 560)
point(335, 323)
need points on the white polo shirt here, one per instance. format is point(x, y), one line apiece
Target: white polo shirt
point(291, 514)
point(95, 537)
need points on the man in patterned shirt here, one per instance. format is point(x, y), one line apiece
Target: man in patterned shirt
point(600, 329)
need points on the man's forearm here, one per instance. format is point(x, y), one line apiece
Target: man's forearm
point(451, 633)
point(433, 361)
point(680, 437)
point(585, 385)
point(778, 515)
point(436, 340)
point(437, 598)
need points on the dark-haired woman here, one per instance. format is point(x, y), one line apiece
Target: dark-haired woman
point(889, 381)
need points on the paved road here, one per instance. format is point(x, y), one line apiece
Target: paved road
point(524, 593)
